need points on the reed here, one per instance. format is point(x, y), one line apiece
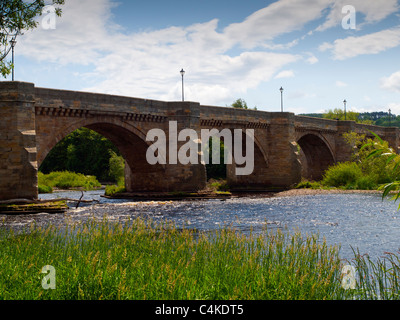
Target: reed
point(140, 260)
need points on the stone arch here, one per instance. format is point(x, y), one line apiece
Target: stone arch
point(130, 140)
point(260, 155)
point(316, 155)
point(255, 180)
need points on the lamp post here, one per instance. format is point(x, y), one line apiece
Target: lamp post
point(281, 90)
point(345, 102)
point(182, 74)
point(13, 42)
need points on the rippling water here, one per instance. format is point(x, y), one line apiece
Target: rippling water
point(360, 221)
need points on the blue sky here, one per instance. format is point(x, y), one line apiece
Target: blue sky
point(229, 50)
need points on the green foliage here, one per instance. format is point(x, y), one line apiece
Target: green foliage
point(16, 16)
point(305, 184)
point(117, 167)
point(380, 151)
point(379, 279)
point(112, 190)
point(218, 185)
point(378, 169)
point(241, 104)
point(338, 114)
point(139, 260)
point(364, 172)
point(343, 174)
point(83, 151)
point(44, 188)
point(67, 180)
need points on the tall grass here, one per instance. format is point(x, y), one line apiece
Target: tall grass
point(377, 279)
point(143, 260)
point(66, 180)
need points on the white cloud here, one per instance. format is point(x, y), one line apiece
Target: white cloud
point(392, 82)
point(312, 59)
point(372, 43)
point(325, 46)
point(340, 84)
point(372, 10)
point(147, 64)
point(278, 18)
point(285, 74)
point(394, 107)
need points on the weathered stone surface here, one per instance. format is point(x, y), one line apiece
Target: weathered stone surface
point(18, 167)
point(34, 120)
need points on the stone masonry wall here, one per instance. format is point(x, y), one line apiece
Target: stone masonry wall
point(18, 166)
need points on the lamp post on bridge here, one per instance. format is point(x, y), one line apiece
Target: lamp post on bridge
point(345, 102)
point(182, 74)
point(13, 42)
point(281, 90)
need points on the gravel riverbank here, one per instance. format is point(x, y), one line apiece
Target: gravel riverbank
point(306, 192)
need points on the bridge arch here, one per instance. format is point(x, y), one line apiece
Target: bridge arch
point(316, 155)
point(130, 141)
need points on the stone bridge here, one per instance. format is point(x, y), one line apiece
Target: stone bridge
point(34, 120)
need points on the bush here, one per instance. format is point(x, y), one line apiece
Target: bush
point(111, 190)
point(117, 167)
point(343, 174)
point(366, 183)
point(67, 180)
point(305, 184)
point(45, 189)
point(218, 185)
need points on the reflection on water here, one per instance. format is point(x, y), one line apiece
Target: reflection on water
point(362, 221)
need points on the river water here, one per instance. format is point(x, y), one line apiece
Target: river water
point(360, 221)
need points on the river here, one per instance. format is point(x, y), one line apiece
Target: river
point(360, 221)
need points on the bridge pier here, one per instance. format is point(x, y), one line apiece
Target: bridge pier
point(18, 163)
point(173, 176)
point(276, 161)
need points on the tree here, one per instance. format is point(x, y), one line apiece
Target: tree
point(379, 149)
point(338, 114)
point(82, 151)
point(241, 104)
point(15, 17)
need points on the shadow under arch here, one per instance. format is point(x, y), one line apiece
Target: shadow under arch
point(315, 156)
point(131, 143)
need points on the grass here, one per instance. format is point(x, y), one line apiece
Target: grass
point(66, 180)
point(140, 260)
point(305, 184)
point(113, 189)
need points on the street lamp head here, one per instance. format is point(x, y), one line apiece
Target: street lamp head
point(344, 101)
point(13, 42)
point(281, 89)
point(182, 72)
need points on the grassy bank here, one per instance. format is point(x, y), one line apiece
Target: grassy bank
point(139, 260)
point(66, 180)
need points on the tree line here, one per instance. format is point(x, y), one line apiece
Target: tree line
point(379, 118)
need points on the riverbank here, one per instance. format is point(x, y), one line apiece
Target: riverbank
point(179, 196)
point(312, 192)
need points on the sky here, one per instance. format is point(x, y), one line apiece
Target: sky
point(320, 51)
